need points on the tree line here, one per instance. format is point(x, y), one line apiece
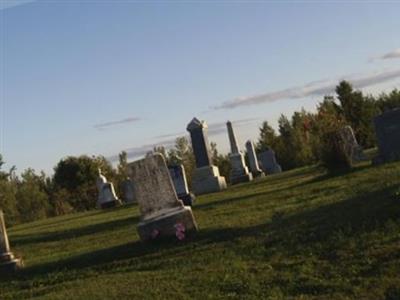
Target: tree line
point(305, 138)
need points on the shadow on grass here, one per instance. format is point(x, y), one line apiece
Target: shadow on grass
point(19, 240)
point(349, 218)
point(64, 219)
point(289, 233)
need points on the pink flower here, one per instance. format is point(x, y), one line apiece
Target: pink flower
point(155, 233)
point(180, 231)
point(180, 235)
point(180, 227)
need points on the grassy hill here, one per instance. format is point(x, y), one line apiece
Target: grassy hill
point(301, 234)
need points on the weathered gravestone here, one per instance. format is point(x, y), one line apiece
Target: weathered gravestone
point(269, 163)
point(162, 214)
point(8, 263)
point(206, 177)
point(239, 170)
point(253, 161)
point(387, 128)
point(128, 191)
point(178, 176)
point(349, 147)
point(106, 197)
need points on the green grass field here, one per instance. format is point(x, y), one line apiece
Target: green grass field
point(302, 234)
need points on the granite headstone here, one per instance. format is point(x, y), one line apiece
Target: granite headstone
point(106, 193)
point(239, 170)
point(178, 176)
point(206, 177)
point(387, 128)
point(253, 161)
point(8, 263)
point(269, 163)
point(162, 214)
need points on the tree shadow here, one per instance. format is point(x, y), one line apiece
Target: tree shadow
point(350, 218)
point(291, 233)
point(19, 240)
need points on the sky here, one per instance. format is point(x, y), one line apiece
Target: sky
point(98, 77)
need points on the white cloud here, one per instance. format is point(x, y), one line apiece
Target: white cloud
point(390, 55)
point(168, 140)
point(105, 125)
point(315, 88)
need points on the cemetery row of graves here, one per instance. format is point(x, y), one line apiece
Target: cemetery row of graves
point(305, 139)
point(163, 194)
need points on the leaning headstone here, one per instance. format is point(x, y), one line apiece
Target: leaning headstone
point(269, 163)
point(206, 177)
point(348, 145)
point(107, 197)
point(128, 191)
point(162, 214)
point(8, 263)
point(387, 128)
point(239, 170)
point(178, 176)
point(253, 161)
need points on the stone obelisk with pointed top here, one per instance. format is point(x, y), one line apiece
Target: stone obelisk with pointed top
point(239, 171)
point(253, 161)
point(206, 177)
point(8, 263)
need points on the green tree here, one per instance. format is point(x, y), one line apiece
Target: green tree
point(324, 139)
point(221, 161)
point(78, 175)
point(389, 101)
point(267, 139)
point(359, 112)
point(32, 199)
point(182, 153)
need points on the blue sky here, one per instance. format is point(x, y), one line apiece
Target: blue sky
point(99, 77)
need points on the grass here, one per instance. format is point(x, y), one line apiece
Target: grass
point(303, 234)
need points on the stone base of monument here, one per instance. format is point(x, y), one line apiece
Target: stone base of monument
point(177, 222)
point(258, 174)
point(235, 179)
point(187, 199)
point(207, 180)
point(110, 204)
point(9, 264)
point(239, 171)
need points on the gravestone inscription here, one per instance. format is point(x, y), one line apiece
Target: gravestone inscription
point(162, 214)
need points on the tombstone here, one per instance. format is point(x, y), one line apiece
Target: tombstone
point(8, 263)
point(387, 129)
point(206, 177)
point(128, 191)
point(253, 161)
point(348, 145)
point(162, 214)
point(269, 163)
point(107, 197)
point(239, 170)
point(178, 176)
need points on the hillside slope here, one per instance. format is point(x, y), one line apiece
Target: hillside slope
point(301, 234)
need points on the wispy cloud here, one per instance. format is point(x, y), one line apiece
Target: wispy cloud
point(140, 151)
point(4, 4)
point(168, 140)
point(213, 128)
point(105, 125)
point(315, 88)
point(390, 55)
